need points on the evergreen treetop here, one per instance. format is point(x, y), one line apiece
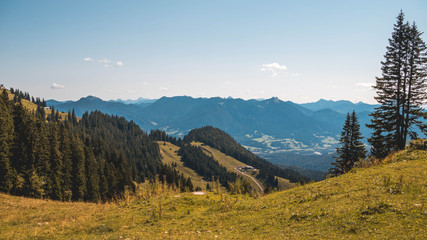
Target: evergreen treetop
point(401, 91)
point(352, 149)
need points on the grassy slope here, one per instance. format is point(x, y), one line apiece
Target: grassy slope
point(230, 163)
point(169, 156)
point(32, 107)
point(383, 202)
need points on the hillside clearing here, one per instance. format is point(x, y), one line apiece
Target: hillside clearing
point(169, 154)
point(231, 163)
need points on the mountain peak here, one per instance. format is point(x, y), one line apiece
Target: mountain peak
point(90, 98)
point(275, 99)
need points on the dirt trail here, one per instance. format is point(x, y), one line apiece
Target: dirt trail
point(253, 179)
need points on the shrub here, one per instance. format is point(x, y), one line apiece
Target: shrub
point(419, 144)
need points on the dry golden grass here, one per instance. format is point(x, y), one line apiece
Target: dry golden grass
point(169, 154)
point(32, 107)
point(386, 201)
point(29, 218)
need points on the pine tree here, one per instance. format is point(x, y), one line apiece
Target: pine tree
point(92, 183)
point(67, 165)
point(352, 148)
point(6, 137)
point(401, 91)
point(78, 173)
point(42, 157)
point(189, 185)
point(23, 149)
point(103, 184)
point(56, 175)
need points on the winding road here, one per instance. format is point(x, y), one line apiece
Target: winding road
point(253, 179)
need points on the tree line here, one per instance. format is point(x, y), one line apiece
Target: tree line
point(19, 95)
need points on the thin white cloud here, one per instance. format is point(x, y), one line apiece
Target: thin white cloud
point(163, 89)
point(274, 68)
point(364, 84)
point(56, 86)
point(296, 74)
point(88, 59)
point(104, 61)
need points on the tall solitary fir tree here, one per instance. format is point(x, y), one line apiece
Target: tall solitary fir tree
point(401, 91)
point(352, 148)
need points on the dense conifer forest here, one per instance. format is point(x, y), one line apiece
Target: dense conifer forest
point(94, 158)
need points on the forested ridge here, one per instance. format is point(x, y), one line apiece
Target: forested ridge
point(194, 158)
point(92, 159)
point(208, 167)
point(220, 140)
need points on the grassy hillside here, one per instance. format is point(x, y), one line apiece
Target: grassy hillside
point(32, 107)
point(169, 154)
point(382, 202)
point(230, 163)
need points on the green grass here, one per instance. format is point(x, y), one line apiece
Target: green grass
point(387, 201)
point(230, 162)
point(169, 154)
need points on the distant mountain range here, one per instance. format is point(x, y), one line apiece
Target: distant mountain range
point(140, 101)
point(266, 127)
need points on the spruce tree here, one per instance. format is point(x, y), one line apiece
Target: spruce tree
point(67, 165)
point(352, 148)
point(401, 91)
point(78, 172)
point(92, 183)
point(103, 184)
point(23, 150)
point(56, 176)
point(6, 137)
point(42, 159)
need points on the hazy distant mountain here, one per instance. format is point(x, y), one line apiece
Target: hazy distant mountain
point(52, 102)
point(142, 102)
point(91, 103)
point(342, 106)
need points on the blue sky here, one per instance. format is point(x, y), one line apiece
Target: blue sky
point(296, 50)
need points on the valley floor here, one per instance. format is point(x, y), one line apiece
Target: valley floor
point(382, 202)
